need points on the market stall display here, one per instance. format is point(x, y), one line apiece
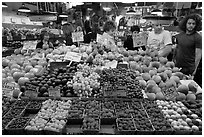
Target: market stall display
point(89, 89)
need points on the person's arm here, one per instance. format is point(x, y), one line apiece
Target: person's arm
point(168, 45)
point(51, 45)
point(198, 56)
point(198, 52)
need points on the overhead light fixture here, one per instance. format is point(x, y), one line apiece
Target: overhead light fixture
point(107, 8)
point(156, 12)
point(4, 5)
point(24, 9)
point(63, 15)
point(131, 11)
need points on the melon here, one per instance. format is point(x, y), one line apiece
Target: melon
point(22, 81)
point(17, 75)
point(193, 87)
point(14, 70)
point(157, 79)
point(5, 62)
point(15, 66)
point(180, 97)
point(33, 62)
point(183, 89)
point(29, 75)
point(151, 96)
point(160, 96)
point(28, 68)
point(146, 76)
point(191, 97)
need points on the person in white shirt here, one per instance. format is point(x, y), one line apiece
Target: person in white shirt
point(109, 29)
point(159, 39)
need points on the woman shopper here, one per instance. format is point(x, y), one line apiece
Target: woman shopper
point(128, 43)
point(188, 51)
point(44, 43)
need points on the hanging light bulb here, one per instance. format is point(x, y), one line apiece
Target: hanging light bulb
point(4, 5)
point(24, 9)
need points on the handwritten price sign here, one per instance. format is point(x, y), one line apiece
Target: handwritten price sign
point(73, 56)
point(77, 36)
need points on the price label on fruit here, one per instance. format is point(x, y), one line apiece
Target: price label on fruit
point(100, 39)
point(77, 36)
point(54, 92)
point(8, 89)
point(31, 94)
point(73, 56)
point(139, 40)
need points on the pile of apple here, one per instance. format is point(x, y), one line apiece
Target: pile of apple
point(179, 116)
point(85, 82)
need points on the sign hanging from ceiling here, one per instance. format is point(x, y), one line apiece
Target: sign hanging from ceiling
point(43, 18)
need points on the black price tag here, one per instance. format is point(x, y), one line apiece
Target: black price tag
point(54, 92)
point(122, 65)
point(31, 94)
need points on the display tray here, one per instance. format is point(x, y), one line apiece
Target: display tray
point(92, 131)
point(196, 132)
point(107, 129)
point(34, 109)
point(15, 113)
point(125, 132)
point(182, 132)
point(5, 111)
point(73, 129)
point(108, 121)
point(34, 132)
point(16, 131)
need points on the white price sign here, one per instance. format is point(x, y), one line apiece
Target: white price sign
point(77, 36)
point(73, 56)
point(29, 45)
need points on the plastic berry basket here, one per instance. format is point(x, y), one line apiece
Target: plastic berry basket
point(91, 131)
point(12, 113)
point(144, 132)
point(125, 132)
point(34, 110)
point(16, 131)
point(182, 132)
point(5, 122)
point(34, 132)
point(21, 104)
point(53, 132)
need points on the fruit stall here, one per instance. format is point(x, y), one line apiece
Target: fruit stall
point(89, 90)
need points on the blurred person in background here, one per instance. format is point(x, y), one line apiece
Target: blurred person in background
point(44, 43)
point(109, 29)
point(128, 43)
point(160, 40)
